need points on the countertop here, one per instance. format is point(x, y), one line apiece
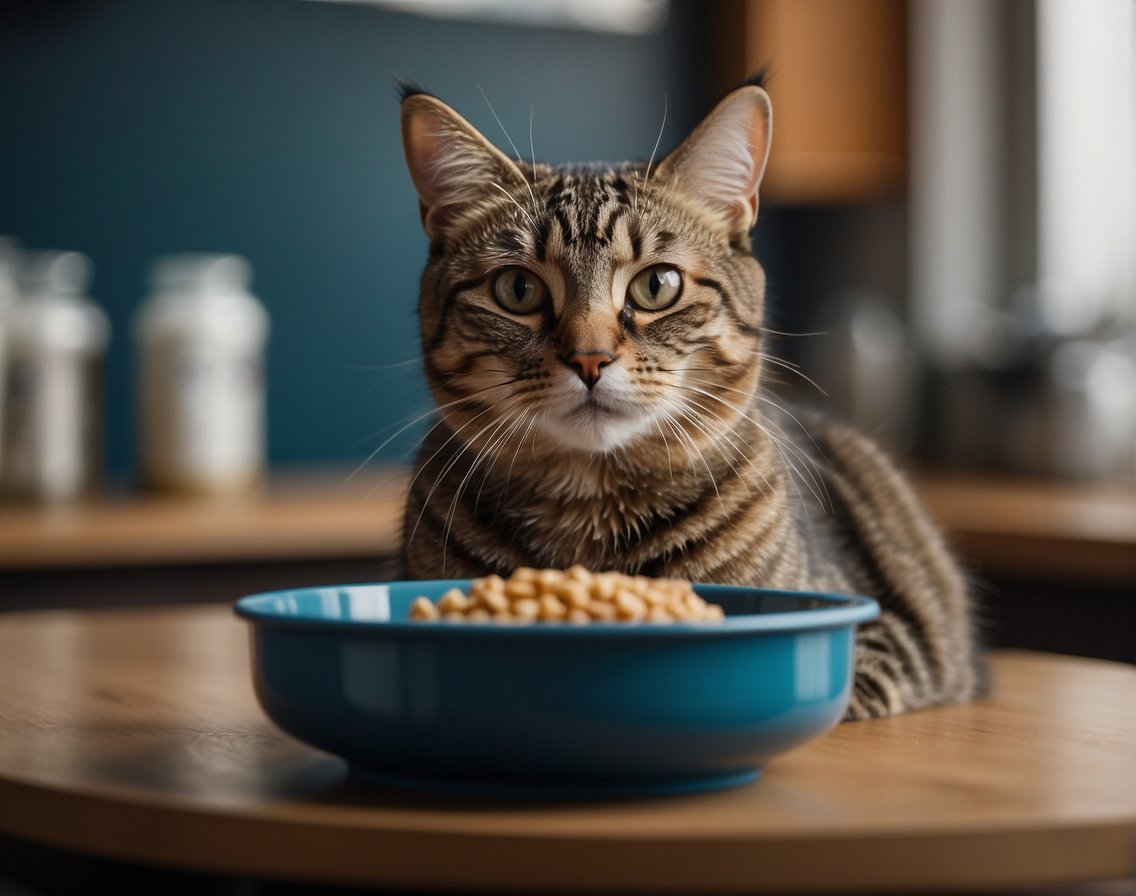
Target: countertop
point(1069, 531)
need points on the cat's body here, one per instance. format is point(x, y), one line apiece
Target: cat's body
point(593, 338)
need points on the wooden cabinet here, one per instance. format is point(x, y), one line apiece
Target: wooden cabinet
point(838, 81)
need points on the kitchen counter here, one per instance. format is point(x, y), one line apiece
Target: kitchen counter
point(1083, 532)
point(1035, 549)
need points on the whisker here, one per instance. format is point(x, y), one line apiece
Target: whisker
point(817, 487)
point(416, 420)
point(784, 445)
point(516, 152)
point(449, 464)
point(794, 368)
point(532, 146)
point(779, 445)
point(813, 467)
point(670, 420)
point(497, 118)
point(723, 434)
point(667, 446)
point(483, 453)
point(682, 434)
point(516, 451)
point(658, 140)
point(374, 367)
point(513, 200)
point(493, 448)
point(772, 332)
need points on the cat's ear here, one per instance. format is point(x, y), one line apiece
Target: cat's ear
point(722, 161)
point(453, 167)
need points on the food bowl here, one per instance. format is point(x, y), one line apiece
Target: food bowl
point(552, 707)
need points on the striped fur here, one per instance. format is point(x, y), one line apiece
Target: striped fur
point(675, 461)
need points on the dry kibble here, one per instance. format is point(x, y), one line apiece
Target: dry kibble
point(655, 597)
point(629, 605)
point(524, 590)
point(454, 600)
point(604, 586)
point(549, 578)
point(496, 601)
point(575, 595)
point(659, 614)
point(423, 608)
point(578, 574)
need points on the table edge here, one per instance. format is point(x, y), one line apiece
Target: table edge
point(216, 840)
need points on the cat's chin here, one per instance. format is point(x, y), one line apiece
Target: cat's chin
point(595, 428)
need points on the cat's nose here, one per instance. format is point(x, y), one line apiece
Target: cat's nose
point(588, 366)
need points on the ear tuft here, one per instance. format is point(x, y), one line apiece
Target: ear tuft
point(408, 88)
point(455, 170)
point(722, 162)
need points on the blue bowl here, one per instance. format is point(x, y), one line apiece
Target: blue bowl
point(552, 707)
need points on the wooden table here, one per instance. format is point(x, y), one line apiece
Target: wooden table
point(135, 734)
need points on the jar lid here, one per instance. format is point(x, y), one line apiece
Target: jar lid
point(51, 313)
point(202, 297)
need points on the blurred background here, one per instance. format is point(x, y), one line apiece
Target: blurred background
point(950, 201)
point(947, 223)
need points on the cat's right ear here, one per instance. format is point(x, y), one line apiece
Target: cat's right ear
point(454, 168)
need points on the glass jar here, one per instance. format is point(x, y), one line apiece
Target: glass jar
point(200, 340)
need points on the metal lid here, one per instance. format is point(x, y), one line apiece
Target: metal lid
point(52, 314)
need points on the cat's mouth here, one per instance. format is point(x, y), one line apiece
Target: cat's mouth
point(599, 419)
point(596, 409)
point(595, 423)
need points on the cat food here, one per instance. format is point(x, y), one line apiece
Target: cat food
point(572, 595)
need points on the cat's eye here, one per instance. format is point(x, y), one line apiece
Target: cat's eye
point(655, 289)
point(519, 291)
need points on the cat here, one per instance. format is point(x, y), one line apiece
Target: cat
point(593, 337)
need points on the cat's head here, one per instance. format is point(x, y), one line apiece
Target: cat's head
point(587, 307)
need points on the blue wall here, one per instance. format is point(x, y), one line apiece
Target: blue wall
point(138, 127)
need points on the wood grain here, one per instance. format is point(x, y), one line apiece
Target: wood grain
point(135, 734)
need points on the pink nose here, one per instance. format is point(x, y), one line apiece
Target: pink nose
point(589, 366)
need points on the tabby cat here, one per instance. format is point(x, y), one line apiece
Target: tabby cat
point(592, 335)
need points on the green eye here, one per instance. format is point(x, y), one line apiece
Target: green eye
point(655, 288)
point(519, 291)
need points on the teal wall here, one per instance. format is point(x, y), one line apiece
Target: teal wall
point(132, 128)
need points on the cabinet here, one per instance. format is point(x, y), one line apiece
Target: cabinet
point(838, 81)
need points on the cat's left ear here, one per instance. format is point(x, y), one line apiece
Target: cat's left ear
point(722, 162)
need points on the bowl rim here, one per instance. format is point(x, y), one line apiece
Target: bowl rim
point(845, 610)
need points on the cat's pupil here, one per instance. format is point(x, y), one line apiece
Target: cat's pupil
point(655, 284)
point(520, 286)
